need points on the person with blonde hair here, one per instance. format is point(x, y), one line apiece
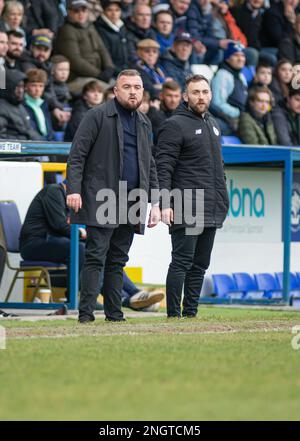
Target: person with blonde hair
point(13, 14)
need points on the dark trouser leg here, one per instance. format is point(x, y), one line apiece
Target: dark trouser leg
point(116, 259)
point(194, 277)
point(97, 245)
point(183, 248)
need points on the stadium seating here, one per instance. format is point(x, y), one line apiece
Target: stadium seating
point(225, 287)
point(248, 285)
point(294, 283)
point(230, 140)
point(269, 284)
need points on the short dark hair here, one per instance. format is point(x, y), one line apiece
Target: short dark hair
point(264, 65)
point(194, 79)
point(56, 59)
point(128, 73)
point(171, 85)
point(14, 33)
point(163, 12)
point(91, 86)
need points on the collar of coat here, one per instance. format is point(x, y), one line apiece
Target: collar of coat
point(111, 110)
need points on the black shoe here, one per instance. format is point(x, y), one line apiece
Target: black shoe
point(107, 319)
point(86, 319)
point(189, 316)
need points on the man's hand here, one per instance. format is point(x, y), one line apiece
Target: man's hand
point(74, 201)
point(62, 116)
point(154, 217)
point(167, 216)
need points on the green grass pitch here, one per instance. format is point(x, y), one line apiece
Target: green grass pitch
point(228, 364)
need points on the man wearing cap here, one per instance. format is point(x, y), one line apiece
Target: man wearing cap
point(175, 61)
point(152, 75)
point(113, 33)
point(79, 41)
point(230, 90)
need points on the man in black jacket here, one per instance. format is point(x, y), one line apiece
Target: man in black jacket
point(286, 119)
point(189, 157)
point(112, 147)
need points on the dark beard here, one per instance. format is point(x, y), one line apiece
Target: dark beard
point(12, 56)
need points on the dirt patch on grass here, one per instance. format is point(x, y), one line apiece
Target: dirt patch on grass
point(170, 327)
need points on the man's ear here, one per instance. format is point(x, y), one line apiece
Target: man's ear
point(185, 97)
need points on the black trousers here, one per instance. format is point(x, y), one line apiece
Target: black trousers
point(190, 260)
point(106, 250)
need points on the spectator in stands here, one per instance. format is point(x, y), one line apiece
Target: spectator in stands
point(145, 104)
point(263, 75)
point(36, 107)
point(79, 41)
point(44, 16)
point(248, 16)
point(14, 120)
point(113, 33)
point(179, 9)
point(286, 117)
point(209, 49)
point(39, 58)
point(139, 28)
point(229, 88)
point(16, 54)
point(92, 95)
point(281, 80)
point(3, 47)
point(152, 75)
point(13, 14)
point(289, 48)
point(255, 124)
point(296, 70)
point(170, 98)
point(277, 24)
point(175, 61)
point(127, 8)
point(225, 27)
point(60, 75)
point(164, 22)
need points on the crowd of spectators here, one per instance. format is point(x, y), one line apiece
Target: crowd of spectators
point(61, 58)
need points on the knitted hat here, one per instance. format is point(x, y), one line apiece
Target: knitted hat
point(232, 49)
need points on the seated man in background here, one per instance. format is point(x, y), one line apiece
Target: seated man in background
point(256, 125)
point(46, 236)
point(286, 117)
point(263, 75)
point(164, 22)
